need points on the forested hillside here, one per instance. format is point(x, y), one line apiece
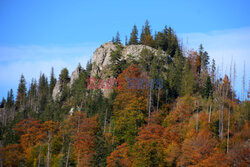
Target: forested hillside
point(178, 111)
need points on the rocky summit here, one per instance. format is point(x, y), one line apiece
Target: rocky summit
point(101, 61)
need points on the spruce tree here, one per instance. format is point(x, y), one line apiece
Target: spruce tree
point(64, 76)
point(187, 82)
point(207, 90)
point(172, 42)
point(146, 37)
point(134, 36)
point(204, 58)
point(43, 92)
point(10, 99)
point(117, 63)
point(89, 67)
point(3, 102)
point(161, 39)
point(175, 74)
point(21, 91)
point(64, 79)
point(117, 38)
point(52, 81)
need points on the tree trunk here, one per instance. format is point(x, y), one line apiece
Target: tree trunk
point(105, 120)
point(158, 99)
point(61, 152)
point(197, 120)
point(48, 154)
point(67, 160)
point(39, 157)
point(149, 103)
point(110, 124)
point(228, 130)
point(210, 112)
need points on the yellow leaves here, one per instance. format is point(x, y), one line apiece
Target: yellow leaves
point(172, 151)
point(148, 149)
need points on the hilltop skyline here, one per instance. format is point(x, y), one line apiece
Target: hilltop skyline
point(41, 35)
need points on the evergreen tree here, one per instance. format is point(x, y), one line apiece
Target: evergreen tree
point(10, 99)
point(213, 71)
point(146, 37)
point(33, 96)
point(64, 76)
point(43, 92)
point(79, 89)
point(204, 58)
point(161, 39)
point(172, 42)
point(3, 102)
point(134, 36)
point(145, 59)
point(207, 90)
point(175, 74)
point(117, 63)
point(117, 38)
point(188, 82)
point(21, 91)
point(64, 79)
point(52, 81)
point(126, 40)
point(89, 67)
point(147, 29)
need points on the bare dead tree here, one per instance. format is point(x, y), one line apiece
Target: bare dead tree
point(105, 121)
point(243, 83)
point(158, 99)
point(68, 154)
point(197, 120)
point(48, 154)
point(39, 156)
point(150, 99)
point(210, 112)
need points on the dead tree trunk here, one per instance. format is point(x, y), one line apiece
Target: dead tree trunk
point(197, 120)
point(105, 120)
point(210, 112)
point(68, 154)
point(48, 154)
point(39, 156)
point(228, 130)
point(158, 99)
point(149, 102)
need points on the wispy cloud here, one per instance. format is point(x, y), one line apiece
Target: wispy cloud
point(33, 60)
point(225, 46)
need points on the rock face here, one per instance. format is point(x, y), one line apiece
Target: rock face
point(58, 87)
point(57, 90)
point(101, 58)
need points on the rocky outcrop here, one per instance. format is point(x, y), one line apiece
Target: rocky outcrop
point(58, 87)
point(101, 61)
point(101, 58)
point(74, 76)
point(57, 90)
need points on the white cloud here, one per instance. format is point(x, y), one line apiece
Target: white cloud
point(32, 60)
point(225, 46)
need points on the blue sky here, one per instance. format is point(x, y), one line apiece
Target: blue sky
point(36, 35)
